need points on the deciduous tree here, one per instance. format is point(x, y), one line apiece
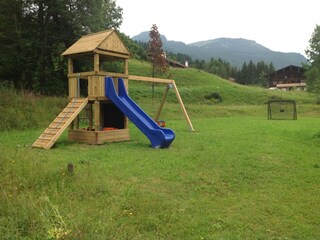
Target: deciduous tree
point(34, 33)
point(313, 53)
point(156, 53)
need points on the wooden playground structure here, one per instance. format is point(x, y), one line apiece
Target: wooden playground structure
point(106, 122)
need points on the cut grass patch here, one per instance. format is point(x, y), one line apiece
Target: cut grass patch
point(234, 178)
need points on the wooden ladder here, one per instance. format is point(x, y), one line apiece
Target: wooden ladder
point(56, 128)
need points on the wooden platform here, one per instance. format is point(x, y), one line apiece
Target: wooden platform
point(56, 128)
point(98, 137)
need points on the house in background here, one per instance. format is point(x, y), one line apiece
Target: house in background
point(172, 63)
point(176, 64)
point(288, 78)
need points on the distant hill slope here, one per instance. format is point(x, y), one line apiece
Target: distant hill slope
point(194, 84)
point(234, 50)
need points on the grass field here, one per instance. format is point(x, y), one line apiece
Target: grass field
point(238, 176)
point(234, 178)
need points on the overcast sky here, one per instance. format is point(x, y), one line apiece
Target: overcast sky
point(280, 25)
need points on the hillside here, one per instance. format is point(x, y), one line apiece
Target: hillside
point(22, 110)
point(194, 84)
point(236, 51)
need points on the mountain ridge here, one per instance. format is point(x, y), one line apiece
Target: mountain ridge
point(234, 50)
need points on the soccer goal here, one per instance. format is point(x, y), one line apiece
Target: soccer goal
point(282, 110)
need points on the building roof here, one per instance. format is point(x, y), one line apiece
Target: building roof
point(287, 68)
point(105, 43)
point(175, 63)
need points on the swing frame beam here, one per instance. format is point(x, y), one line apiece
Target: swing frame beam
point(170, 84)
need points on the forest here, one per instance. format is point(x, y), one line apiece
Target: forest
point(34, 33)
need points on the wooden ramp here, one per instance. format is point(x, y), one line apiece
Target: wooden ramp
point(56, 128)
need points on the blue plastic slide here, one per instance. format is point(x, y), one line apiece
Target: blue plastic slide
point(158, 136)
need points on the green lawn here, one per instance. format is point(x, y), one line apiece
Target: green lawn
point(236, 177)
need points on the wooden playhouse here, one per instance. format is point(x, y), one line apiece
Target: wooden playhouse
point(96, 50)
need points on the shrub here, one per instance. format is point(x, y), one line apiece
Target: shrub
point(213, 97)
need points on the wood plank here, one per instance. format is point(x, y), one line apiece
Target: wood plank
point(83, 136)
point(111, 53)
point(87, 43)
point(97, 115)
point(182, 106)
point(98, 137)
point(60, 131)
point(162, 102)
point(43, 141)
point(45, 137)
point(65, 114)
point(55, 129)
point(85, 75)
point(50, 131)
point(53, 126)
point(113, 43)
point(74, 105)
point(61, 119)
point(70, 65)
point(150, 79)
point(73, 86)
point(96, 62)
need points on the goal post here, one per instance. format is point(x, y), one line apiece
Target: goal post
point(282, 110)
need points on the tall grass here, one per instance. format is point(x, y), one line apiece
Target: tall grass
point(24, 110)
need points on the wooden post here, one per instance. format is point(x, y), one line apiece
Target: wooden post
point(182, 106)
point(126, 71)
point(70, 65)
point(76, 122)
point(162, 102)
point(97, 116)
point(78, 86)
point(70, 168)
point(125, 67)
point(90, 116)
point(96, 63)
point(71, 126)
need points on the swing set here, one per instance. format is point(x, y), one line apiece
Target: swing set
point(169, 84)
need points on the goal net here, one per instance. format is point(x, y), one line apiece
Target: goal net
point(282, 110)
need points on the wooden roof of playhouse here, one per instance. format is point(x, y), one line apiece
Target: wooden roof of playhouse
point(106, 43)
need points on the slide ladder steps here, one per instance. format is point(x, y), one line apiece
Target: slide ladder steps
point(60, 123)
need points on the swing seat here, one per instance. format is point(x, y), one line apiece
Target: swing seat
point(161, 123)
